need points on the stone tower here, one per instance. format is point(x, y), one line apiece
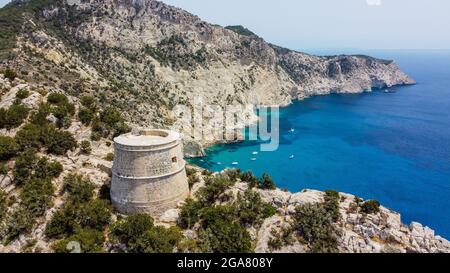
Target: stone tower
point(148, 173)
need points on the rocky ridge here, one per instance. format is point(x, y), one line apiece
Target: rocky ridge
point(380, 232)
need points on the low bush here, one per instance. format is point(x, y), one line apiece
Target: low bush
point(13, 117)
point(37, 195)
point(83, 241)
point(22, 94)
point(89, 102)
point(80, 190)
point(331, 204)
point(189, 214)
point(58, 142)
point(8, 148)
point(86, 116)
point(23, 169)
point(250, 178)
point(3, 205)
point(61, 108)
point(267, 183)
point(370, 207)
point(221, 233)
point(214, 188)
point(315, 225)
point(94, 214)
point(10, 74)
point(109, 157)
point(85, 147)
point(139, 235)
point(251, 209)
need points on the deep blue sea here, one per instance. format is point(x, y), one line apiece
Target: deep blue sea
point(393, 147)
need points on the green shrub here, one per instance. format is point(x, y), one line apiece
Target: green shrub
point(23, 169)
point(275, 243)
point(3, 205)
point(10, 74)
point(29, 137)
point(63, 222)
point(214, 188)
point(250, 178)
point(109, 157)
point(190, 171)
point(89, 102)
point(251, 210)
point(241, 30)
point(61, 108)
point(315, 225)
point(86, 116)
point(86, 147)
point(219, 235)
point(21, 221)
point(139, 235)
point(233, 174)
point(40, 116)
point(37, 196)
point(267, 183)
point(110, 123)
point(127, 230)
point(56, 98)
point(189, 214)
point(8, 148)
point(370, 207)
point(58, 142)
point(45, 169)
point(94, 214)
point(157, 240)
point(89, 240)
point(193, 179)
point(96, 136)
point(331, 204)
point(13, 117)
point(22, 94)
point(80, 190)
point(4, 169)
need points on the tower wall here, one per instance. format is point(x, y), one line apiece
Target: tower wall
point(148, 172)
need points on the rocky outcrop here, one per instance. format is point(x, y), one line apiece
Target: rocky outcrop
point(361, 233)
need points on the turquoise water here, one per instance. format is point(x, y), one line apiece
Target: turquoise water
point(393, 147)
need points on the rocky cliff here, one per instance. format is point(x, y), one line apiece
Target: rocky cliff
point(145, 57)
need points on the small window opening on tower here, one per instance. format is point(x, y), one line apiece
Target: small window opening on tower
point(174, 159)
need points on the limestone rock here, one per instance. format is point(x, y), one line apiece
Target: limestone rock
point(170, 216)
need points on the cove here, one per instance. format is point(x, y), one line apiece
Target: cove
point(393, 147)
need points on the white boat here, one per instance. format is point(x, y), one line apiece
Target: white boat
point(386, 91)
point(292, 130)
point(254, 153)
point(253, 159)
point(219, 163)
point(292, 157)
point(235, 163)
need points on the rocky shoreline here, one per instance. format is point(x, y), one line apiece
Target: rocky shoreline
point(380, 232)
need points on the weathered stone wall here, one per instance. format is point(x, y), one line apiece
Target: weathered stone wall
point(148, 179)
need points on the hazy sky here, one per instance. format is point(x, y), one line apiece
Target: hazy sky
point(308, 24)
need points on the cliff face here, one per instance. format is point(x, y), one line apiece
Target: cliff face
point(145, 57)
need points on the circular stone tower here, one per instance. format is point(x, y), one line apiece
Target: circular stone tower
point(148, 173)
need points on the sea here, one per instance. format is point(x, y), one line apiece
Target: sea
point(390, 145)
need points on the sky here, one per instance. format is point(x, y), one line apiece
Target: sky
point(333, 24)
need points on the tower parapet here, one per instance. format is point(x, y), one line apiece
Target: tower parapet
point(148, 173)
